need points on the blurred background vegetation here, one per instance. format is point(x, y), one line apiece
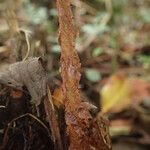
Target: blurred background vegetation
point(113, 43)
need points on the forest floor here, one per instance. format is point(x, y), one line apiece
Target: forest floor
point(113, 44)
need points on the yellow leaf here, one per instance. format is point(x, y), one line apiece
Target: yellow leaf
point(116, 93)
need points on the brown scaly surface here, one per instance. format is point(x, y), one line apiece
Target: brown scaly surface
point(85, 133)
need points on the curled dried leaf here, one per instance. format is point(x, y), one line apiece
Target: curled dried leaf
point(30, 74)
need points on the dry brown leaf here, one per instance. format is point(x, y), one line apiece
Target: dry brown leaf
point(28, 73)
point(140, 90)
point(32, 75)
point(58, 97)
point(50, 112)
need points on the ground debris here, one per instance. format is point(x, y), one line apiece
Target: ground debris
point(29, 74)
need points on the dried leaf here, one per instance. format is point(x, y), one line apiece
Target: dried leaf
point(58, 97)
point(116, 91)
point(121, 91)
point(50, 112)
point(29, 73)
point(140, 89)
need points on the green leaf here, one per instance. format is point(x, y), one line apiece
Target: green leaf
point(144, 13)
point(97, 51)
point(93, 75)
point(144, 59)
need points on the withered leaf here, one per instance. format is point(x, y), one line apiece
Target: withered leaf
point(29, 73)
